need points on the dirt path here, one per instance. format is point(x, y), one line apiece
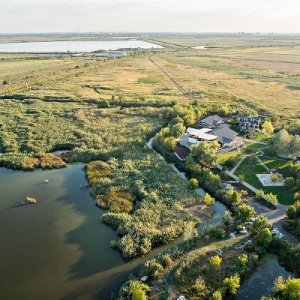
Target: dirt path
point(179, 86)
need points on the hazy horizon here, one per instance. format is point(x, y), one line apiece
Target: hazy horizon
point(191, 16)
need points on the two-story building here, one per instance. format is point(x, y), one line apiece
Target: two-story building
point(249, 123)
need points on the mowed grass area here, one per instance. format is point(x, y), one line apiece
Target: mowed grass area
point(224, 157)
point(251, 166)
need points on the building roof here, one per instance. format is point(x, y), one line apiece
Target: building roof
point(202, 133)
point(182, 153)
point(116, 53)
point(225, 140)
point(250, 117)
point(225, 132)
point(212, 120)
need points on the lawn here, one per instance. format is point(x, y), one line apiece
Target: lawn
point(224, 157)
point(280, 165)
point(251, 166)
point(253, 148)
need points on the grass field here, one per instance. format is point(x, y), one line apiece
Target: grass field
point(251, 166)
point(254, 73)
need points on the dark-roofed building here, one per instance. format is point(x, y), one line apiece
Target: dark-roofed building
point(211, 121)
point(226, 136)
point(249, 123)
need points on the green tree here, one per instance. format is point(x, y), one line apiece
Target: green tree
point(227, 218)
point(291, 212)
point(294, 146)
point(177, 130)
point(274, 119)
point(170, 143)
point(199, 289)
point(245, 212)
point(289, 182)
point(217, 295)
point(279, 285)
point(232, 283)
point(206, 152)
point(281, 142)
point(208, 200)
point(193, 183)
point(104, 104)
point(294, 127)
point(215, 261)
point(265, 237)
point(139, 290)
point(292, 289)
point(243, 259)
point(267, 128)
point(258, 225)
point(272, 198)
point(259, 194)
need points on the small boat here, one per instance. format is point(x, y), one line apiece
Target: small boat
point(46, 180)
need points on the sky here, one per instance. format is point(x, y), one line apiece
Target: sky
point(31, 16)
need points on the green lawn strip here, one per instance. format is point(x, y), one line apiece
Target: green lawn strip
point(224, 157)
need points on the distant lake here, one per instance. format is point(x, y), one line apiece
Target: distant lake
point(75, 46)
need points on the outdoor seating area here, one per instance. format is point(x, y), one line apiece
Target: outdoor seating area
point(268, 179)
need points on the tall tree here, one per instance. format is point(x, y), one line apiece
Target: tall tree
point(281, 142)
point(268, 128)
point(294, 146)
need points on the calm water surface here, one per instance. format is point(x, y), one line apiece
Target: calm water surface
point(57, 248)
point(75, 46)
point(262, 281)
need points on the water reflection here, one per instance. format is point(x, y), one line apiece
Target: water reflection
point(261, 282)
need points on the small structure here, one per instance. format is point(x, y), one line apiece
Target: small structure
point(116, 54)
point(211, 121)
point(144, 278)
point(182, 154)
point(249, 123)
point(181, 298)
point(31, 200)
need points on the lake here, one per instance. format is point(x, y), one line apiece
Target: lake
point(75, 46)
point(57, 248)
